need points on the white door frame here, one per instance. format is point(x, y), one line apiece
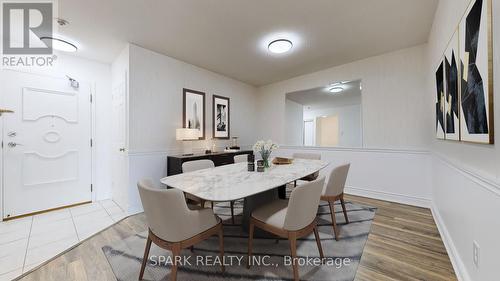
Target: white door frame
point(124, 204)
point(92, 136)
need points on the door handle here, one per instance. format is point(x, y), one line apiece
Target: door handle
point(122, 149)
point(5, 111)
point(13, 144)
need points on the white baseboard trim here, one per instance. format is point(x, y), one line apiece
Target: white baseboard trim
point(388, 196)
point(456, 261)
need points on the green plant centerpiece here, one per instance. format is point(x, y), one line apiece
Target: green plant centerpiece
point(265, 148)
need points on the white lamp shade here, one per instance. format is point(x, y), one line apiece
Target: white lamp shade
point(186, 134)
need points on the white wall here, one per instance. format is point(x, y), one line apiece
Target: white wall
point(98, 75)
point(466, 185)
point(155, 111)
point(156, 83)
point(388, 174)
point(350, 130)
point(393, 163)
point(466, 208)
point(120, 68)
point(294, 122)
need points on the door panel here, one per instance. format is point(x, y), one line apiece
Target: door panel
point(59, 168)
point(46, 152)
point(38, 103)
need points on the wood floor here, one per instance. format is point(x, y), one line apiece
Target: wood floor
point(404, 244)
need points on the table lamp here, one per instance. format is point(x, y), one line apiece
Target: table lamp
point(187, 135)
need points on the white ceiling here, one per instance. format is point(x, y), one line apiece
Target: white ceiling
point(320, 98)
point(230, 36)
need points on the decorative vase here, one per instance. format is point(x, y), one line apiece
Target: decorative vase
point(265, 149)
point(265, 157)
point(266, 162)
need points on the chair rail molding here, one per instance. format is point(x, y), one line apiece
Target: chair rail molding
point(489, 183)
point(176, 151)
point(356, 149)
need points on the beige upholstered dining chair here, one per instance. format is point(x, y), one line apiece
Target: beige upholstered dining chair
point(172, 225)
point(195, 165)
point(333, 191)
point(191, 166)
point(241, 158)
point(310, 156)
point(292, 219)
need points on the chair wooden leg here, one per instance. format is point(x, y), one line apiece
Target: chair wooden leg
point(221, 248)
point(318, 242)
point(250, 242)
point(293, 250)
point(145, 258)
point(334, 222)
point(232, 211)
point(344, 209)
point(176, 251)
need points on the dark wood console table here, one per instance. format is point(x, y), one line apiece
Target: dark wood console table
point(174, 162)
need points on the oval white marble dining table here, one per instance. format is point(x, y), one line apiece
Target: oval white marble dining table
point(234, 181)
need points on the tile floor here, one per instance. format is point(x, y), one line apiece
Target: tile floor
point(27, 242)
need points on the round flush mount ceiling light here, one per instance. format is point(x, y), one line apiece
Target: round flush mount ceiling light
point(60, 44)
point(280, 46)
point(335, 90)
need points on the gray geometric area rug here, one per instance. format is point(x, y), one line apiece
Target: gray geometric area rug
point(272, 256)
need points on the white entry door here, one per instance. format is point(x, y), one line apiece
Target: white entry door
point(46, 143)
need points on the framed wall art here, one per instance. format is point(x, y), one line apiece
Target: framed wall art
point(476, 61)
point(221, 117)
point(193, 115)
point(451, 90)
point(440, 125)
